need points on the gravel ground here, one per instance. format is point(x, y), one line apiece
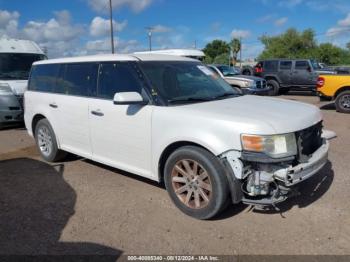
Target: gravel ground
point(81, 207)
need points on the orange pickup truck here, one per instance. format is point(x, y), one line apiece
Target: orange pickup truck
point(335, 87)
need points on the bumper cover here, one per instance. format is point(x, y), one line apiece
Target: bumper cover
point(294, 175)
point(256, 91)
point(10, 109)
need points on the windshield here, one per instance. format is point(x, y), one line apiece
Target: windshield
point(17, 66)
point(228, 71)
point(186, 82)
point(315, 65)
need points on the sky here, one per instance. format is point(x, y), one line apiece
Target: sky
point(81, 27)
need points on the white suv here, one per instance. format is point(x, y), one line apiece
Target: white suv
point(170, 119)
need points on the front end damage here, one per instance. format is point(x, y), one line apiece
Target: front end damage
point(262, 181)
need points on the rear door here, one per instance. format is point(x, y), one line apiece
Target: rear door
point(121, 134)
point(285, 72)
point(74, 87)
point(303, 74)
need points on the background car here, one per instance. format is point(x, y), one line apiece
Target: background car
point(248, 84)
point(284, 74)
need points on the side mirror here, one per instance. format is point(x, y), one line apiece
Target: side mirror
point(308, 69)
point(129, 98)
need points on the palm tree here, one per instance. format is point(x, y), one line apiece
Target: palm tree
point(235, 45)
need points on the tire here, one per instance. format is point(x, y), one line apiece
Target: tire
point(274, 87)
point(46, 142)
point(342, 102)
point(247, 72)
point(213, 184)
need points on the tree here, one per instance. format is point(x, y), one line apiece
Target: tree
point(216, 48)
point(348, 45)
point(235, 45)
point(291, 44)
point(330, 54)
point(222, 59)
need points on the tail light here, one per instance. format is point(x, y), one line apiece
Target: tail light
point(320, 82)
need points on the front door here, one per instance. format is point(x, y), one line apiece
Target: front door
point(120, 134)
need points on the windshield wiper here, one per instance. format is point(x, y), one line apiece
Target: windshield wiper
point(224, 95)
point(189, 99)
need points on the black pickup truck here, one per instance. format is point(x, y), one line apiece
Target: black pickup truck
point(285, 74)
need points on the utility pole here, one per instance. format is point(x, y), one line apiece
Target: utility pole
point(240, 52)
point(111, 20)
point(150, 29)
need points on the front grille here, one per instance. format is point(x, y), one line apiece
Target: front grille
point(309, 140)
point(14, 108)
point(260, 84)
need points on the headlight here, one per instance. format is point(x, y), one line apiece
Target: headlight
point(5, 88)
point(247, 83)
point(275, 146)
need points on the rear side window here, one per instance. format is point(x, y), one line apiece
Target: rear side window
point(301, 64)
point(44, 78)
point(77, 79)
point(117, 77)
point(270, 65)
point(285, 65)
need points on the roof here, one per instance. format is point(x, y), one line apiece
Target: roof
point(114, 57)
point(177, 52)
point(10, 45)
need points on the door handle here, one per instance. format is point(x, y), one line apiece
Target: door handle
point(53, 105)
point(97, 113)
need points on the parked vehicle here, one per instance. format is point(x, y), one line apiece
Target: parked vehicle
point(283, 74)
point(337, 88)
point(16, 58)
point(248, 84)
point(190, 53)
point(169, 118)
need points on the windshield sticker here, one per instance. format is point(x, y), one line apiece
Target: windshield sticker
point(205, 70)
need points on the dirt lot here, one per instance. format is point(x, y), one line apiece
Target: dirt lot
point(82, 207)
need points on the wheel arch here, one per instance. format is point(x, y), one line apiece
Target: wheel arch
point(35, 121)
point(169, 150)
point(342, 89)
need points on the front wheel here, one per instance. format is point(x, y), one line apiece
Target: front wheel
point(342, 102)
point(274, 87)
point(195, 180)
point(46, 142)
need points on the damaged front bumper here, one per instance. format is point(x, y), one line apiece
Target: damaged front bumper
point(265, 184)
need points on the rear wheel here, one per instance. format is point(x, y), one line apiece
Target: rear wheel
point(342, 102)
point(46, 142)
point(274, 87)
point(196, 182)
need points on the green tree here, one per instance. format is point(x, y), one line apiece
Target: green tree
point(216, 48)
point(235, 45)
point(291, 44)
point(222, 59)
point(331, 54)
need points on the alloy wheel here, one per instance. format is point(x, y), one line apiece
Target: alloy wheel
point(191, 183)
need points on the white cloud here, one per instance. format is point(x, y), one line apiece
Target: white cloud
point(161, 29)
point(290, 3)
point(281, 21)
point(236, 33)
point(342, 29)
point(102, 6)
point(101, 27)
point(265, 18)
point(104, 46)
point(8, 23)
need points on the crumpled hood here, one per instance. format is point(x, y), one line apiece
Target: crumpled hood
point(18, 86)
point(260, 114)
